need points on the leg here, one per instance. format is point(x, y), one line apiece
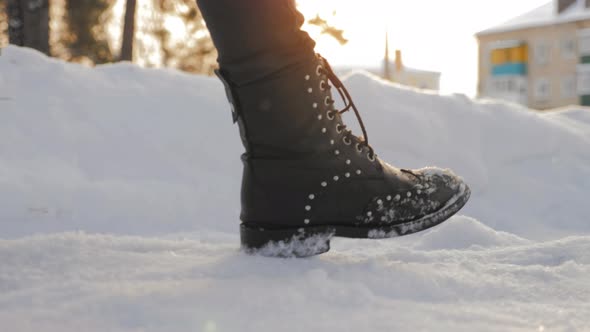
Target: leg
point(306, 177)
point(255, 38)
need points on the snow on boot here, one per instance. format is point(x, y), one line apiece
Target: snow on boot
point(307, 178)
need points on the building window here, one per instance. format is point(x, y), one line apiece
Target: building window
point(568, 87)
point(511, 85)
point(542, 53)
point(584, 41)
point(568, 48)
point(583, 82)
point(504, 85)
point(585, 45)
point(542, 89)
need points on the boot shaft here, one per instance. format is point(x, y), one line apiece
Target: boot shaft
point(284, 115)
point(298, 159)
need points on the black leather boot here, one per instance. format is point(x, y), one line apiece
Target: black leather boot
point(307, 178)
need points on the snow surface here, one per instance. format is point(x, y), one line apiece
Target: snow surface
point(119, 211)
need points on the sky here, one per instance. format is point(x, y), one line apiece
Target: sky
point(432, 34)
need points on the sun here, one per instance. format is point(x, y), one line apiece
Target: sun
point(365, 45)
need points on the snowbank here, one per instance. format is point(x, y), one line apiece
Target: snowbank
point(119, 210)
point(82, 282)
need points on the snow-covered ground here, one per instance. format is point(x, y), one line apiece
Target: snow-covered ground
point(119, 212)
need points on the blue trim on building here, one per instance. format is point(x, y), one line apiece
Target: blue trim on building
point(509, 69)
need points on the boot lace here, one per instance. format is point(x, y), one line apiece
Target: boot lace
point(348, 105)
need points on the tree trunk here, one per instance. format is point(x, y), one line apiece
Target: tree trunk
point(28, 23)
point(16, 22)
point(128, 31)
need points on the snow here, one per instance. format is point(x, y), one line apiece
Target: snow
point(119, 202)
point(542, 16)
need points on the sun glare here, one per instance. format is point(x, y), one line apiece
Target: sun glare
point(432, 34)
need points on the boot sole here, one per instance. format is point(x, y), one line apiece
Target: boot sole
point(308, 241)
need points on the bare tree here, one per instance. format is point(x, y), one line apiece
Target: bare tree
point(16, 22)
point(188, 47)
point(28, 23)
point(3, 24)
point(85, 37)
point(128, 31)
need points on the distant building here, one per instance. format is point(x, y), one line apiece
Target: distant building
point(540, 59)
point(395, 71)
point(398, 73)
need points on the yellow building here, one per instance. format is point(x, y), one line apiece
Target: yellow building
point(540, 59)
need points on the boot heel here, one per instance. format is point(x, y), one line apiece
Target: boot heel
point(292, 242)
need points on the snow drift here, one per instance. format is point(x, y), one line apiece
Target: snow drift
point(119, 211)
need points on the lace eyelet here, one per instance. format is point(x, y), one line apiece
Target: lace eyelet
point(329, 115)
point(323, 85)
point(346, 140)
point(327, 101)
point(319, 70)
point(370, 156)
point(338, 128)
point(359, 148)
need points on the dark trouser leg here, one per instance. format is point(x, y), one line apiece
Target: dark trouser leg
point(256, 38)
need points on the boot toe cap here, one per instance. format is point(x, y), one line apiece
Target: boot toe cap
point(441, 185)
point(433, 190)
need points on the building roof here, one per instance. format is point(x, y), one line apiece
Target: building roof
point(542, 16)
